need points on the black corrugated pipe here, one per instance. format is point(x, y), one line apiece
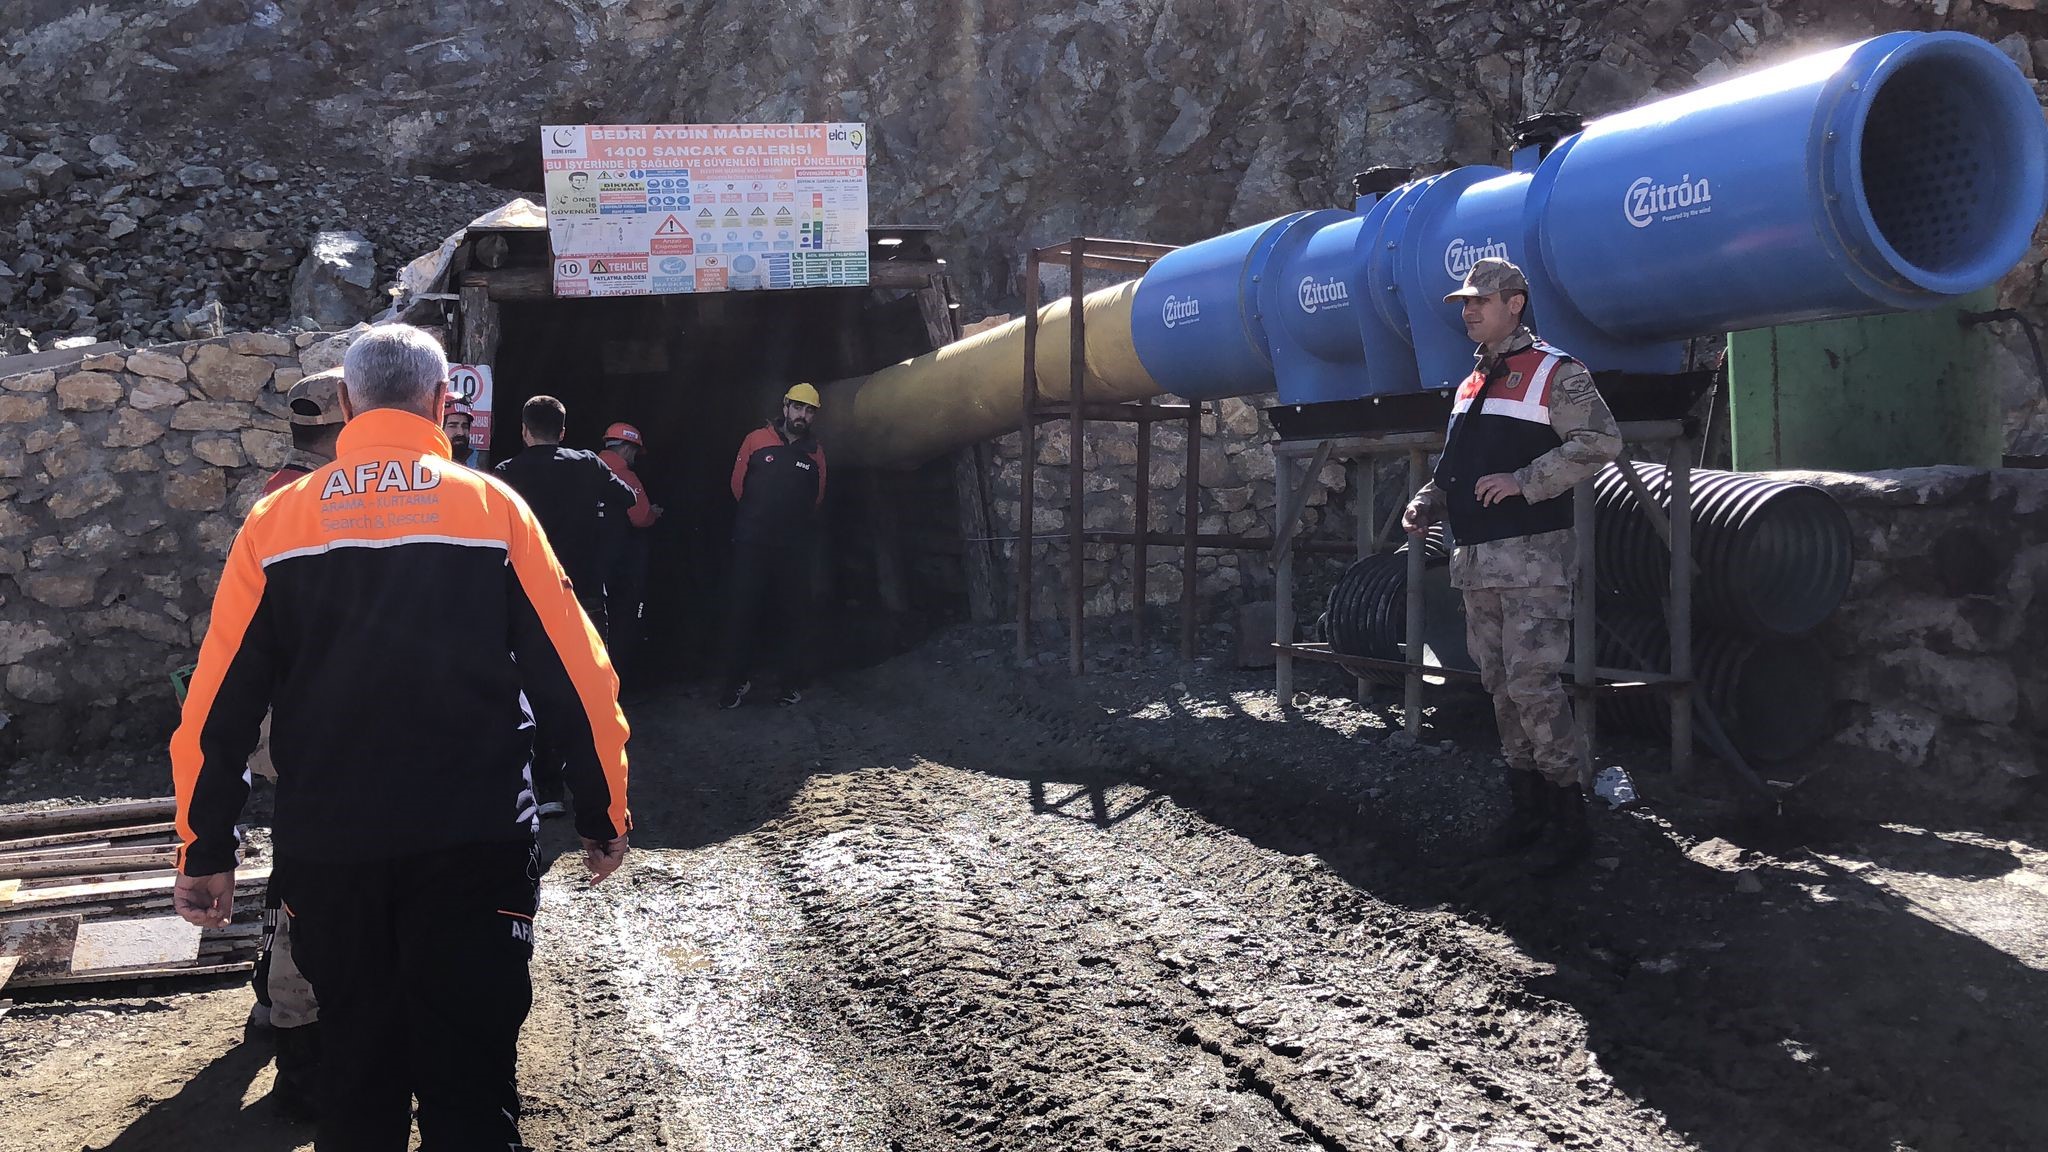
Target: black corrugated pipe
point(1773, 696)
point(1368, 608)
point(1773, 558)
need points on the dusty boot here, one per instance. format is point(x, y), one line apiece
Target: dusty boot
point(1566, 839)
point(1526, 814)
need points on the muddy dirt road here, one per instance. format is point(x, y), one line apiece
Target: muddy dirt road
point(940, 907)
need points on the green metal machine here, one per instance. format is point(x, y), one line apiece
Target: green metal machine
point(1869, 393)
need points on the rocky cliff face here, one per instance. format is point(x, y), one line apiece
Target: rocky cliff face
point(1007, 122)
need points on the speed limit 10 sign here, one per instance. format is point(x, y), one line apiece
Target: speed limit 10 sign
point(470, 384)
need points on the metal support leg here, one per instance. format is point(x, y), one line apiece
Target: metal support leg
point(1077, 598)
point(1028, 473)
point(1364, 495)
point(1283, 587)
point(1680, 616)
point(1584, 622)
point(1411, 701)
point(1143, 516)
point(1190, 517)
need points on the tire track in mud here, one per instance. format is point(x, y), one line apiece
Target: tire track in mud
point(1364, 1025)
point(950, 931)
point(965, 954)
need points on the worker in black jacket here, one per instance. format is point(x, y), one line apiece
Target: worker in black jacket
point(579, 503)
point(779, 481)
point(577, 499)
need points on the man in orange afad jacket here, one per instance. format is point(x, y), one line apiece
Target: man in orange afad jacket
point(398, 615)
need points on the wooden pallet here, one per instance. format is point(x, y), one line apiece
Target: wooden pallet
point(85, 899)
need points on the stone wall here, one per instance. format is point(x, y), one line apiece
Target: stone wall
point(1942, 643)
point(123, 480)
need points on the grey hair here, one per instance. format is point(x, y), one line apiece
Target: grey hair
point(395, 366)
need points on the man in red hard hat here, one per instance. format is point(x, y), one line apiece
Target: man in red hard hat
point(626, 584)
point(456, 422)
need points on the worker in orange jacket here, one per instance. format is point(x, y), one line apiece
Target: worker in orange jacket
point(399, 616)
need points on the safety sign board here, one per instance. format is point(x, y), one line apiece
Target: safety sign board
point(648, 209)
point(471, 383)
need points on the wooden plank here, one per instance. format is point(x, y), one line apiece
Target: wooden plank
point(150, 941)
point(7, 966)
point(44, 943)
point(89, 866)
point(515, 284)
point(100, 845)
point(126, 975)
point(904, 273)
point(101, 876)
point(92, 849)
point(56, 839)
point(85, 816)
point(113, 890)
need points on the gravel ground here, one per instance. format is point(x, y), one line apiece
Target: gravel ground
point(944, 905)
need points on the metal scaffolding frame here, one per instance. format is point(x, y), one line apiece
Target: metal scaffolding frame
point(1080, 254)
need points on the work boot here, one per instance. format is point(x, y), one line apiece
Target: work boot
point(1526, 812)
point(1566, 838)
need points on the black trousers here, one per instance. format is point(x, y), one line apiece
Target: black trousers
point(420, 965)
point(768, 605)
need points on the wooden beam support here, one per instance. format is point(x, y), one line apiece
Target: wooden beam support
point(480, 326)
point(514, 285)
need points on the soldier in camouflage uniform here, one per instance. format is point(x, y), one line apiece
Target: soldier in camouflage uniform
point(1526, 427)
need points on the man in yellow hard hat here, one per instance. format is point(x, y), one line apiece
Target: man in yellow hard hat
point(779, 481)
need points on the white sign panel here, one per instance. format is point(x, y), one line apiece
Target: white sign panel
point(649, 209)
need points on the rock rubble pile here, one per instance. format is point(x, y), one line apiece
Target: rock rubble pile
point(138, 241)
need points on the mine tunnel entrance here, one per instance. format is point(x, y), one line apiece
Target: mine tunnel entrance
point(695, 374)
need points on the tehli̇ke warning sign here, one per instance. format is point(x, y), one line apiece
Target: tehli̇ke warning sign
point(660, 208)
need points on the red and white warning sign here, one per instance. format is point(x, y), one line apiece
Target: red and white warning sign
point(671, 238)
point(471, 383)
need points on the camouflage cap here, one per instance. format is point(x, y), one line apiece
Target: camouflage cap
point(1489, 276)
point(316, 400)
